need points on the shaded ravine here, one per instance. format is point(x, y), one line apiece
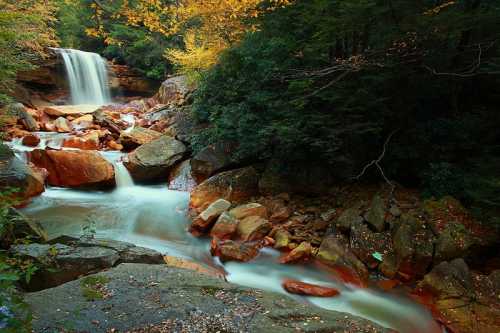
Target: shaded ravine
point(155, 217)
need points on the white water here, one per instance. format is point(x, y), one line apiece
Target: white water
point(87, 75)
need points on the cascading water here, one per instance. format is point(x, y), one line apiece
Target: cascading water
point(87, 75)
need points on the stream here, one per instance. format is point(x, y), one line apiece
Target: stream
point(154, 217)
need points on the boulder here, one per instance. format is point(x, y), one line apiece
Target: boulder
point(211, 160)
point(88, 118)
point(70, 110)
point(348, 218)
point(15, 174)
point(68, 168)
point(454, 241)
point(89, 141)
point(334, 251)
point(174, 91)
point(235, 186)
point(225, 227)
point(376, 213)
point(63, 125)
point(251, 209)
point(413, 246)
point(154, 160)
point(137, 137)
point(59, 263)
point(235, 251)
point(180, 178)
point(300, 253)
point(205, 220)
point(370, 247)
point(31, 140)
point(308, 289)
point(253, 228)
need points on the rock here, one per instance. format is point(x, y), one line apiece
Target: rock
point(137, 137)
point(88, 118)
point(282, 239)
point(180, 178)
point(211, 160)
point(68, 168)
point(113, 145)
point(253, 228)
point(15, 174)
point(389, 265)
point(235, 251)
point(235, 186)
point(454, 241)
point(154, 160)
point(17, 226)
point(348, 218)
point(205, 220)
point(302, 288)
point(31, 140)
point(468, 303)
point(376, 213)
point(18, 110)
point(301, 252)
point(414, 247)
point(89, 141)
point(365, 244)
point(328, 215)
point(251, 209)
point(59, 263)
point(129, 81)
point(225, 227)
point(189, 302)
point(334, 251)
point(63, 125)
point(174, 91)
point(70, 110)
point(102, 118)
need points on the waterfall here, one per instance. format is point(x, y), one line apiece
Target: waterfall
point(122, 176)
point(88, 77)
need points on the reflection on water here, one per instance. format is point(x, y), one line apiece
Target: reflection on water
point(155, 217)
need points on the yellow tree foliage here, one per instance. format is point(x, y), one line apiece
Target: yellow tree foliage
point(208, 26)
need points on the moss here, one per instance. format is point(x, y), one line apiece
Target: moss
point(92, 287)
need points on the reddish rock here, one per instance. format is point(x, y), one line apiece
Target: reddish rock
point(137, 137)
point(302, 288)
point(15, 132)
point(31, 140)
point(87, 142)
point(225, 227)
point(113, 145)
point(253, 228)
point(301, 252)
point(234, 251)
point(204, 221)
point(69, 168)
point(63, 125)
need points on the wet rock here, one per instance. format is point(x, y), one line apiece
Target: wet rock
point(68, 168)
point(225, 227)
point(253, 228)
point(18, 110)
point(376, 213)
point(235, 186)
point(62, 125)
point(334, 251)
point(366, 244)
point(31, 140)
point(174, 91)
point(251, 209)
point(69, 110)
point(137, 137)
point(210, 160)
point(15, 174)
point(282, 239)
point(154, 160)
point(180, 300)
point(414, 247)
point(348, 218)
point(300, 253)
point(180, 178)
point(235, 251)
point(468, 302)
point(307, 289)
point(89, 141)
point(206, 218)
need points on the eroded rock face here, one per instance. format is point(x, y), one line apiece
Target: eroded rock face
point(155, 159)
point(15, 174)
point(235, 186)
point(59, 263)
point(69, 168)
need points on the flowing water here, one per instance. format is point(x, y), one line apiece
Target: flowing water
point(87, 76)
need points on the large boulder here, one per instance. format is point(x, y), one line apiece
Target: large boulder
point(154, 160)
point(235, 186)
point(59, 263)
point(71, 168)
point(334, 251)
point(137, 137)
point(210, 160)
point(16, 175)
point(174, 91)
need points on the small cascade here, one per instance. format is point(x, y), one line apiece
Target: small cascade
point(87, 75)
point(122, 176)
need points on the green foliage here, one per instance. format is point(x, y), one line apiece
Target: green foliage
point(93, 287)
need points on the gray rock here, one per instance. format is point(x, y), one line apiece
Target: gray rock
point(348, 218)
point(210, 160)
point(17, 109)
point(174, 91)
point(376, 213)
